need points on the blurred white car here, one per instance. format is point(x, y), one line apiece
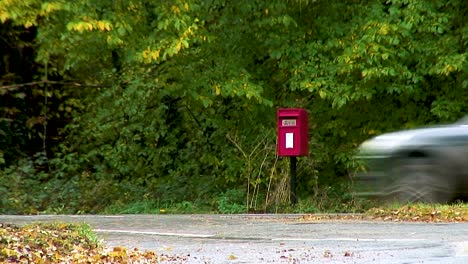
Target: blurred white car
point(419, 165)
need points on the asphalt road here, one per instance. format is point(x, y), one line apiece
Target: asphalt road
point(275, 238)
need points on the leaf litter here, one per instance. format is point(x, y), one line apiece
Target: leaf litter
point(406, 213)
point(65, 243)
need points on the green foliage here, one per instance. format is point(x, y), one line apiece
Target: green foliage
point(232, 202)
point(157, 207)
point(86, 231)
point(24, 190)
point(17, 182)
point(186, 207)
point(138, 207)
point(181, 95)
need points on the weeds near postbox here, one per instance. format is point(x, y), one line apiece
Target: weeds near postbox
point(267, 180)
point(267, 176)
point(256, 163)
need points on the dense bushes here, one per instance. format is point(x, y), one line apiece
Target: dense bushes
point(172, 103)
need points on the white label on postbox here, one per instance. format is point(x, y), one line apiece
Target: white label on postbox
point(288, 122)
point(289, 140)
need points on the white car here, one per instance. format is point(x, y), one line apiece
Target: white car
point(419, 165)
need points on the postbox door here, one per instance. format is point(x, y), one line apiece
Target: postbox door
point(288, 138)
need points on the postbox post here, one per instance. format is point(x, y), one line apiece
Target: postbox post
point(292, 140)
point(292, 179)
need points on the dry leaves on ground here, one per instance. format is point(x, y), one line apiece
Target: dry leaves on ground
point(62, 243)
point(421, 213)
point(407, 213)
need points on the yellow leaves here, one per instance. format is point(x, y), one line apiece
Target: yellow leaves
point(379, 28)
point(17, 10)
point(4, 16)
point(26, 12)
point(173, 47)
point(217, 89)
point(6, 10)
point(104, 25)
point(81, 26)
point(150, 55)
point(132, 7)
point(48, 7)
point(449, 64)
point(323, 94)
point(384, 29)
point(175, 9)
point(118, 253)
point(9, 252)
point(181, 43)
point(178, 46)
point(448, 69)
point(9, 2)
point(347, 59)
point(28, 24)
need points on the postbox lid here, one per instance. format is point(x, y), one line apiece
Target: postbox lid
point(288, 112)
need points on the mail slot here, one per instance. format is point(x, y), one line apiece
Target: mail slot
point(292, 132)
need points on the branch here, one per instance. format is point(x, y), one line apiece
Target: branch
point(13, 86)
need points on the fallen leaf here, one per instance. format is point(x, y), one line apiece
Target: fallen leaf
point(327, 254)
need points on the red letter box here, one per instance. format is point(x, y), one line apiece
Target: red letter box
point(292, 132)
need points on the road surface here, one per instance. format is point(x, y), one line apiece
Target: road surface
point(274, 238)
